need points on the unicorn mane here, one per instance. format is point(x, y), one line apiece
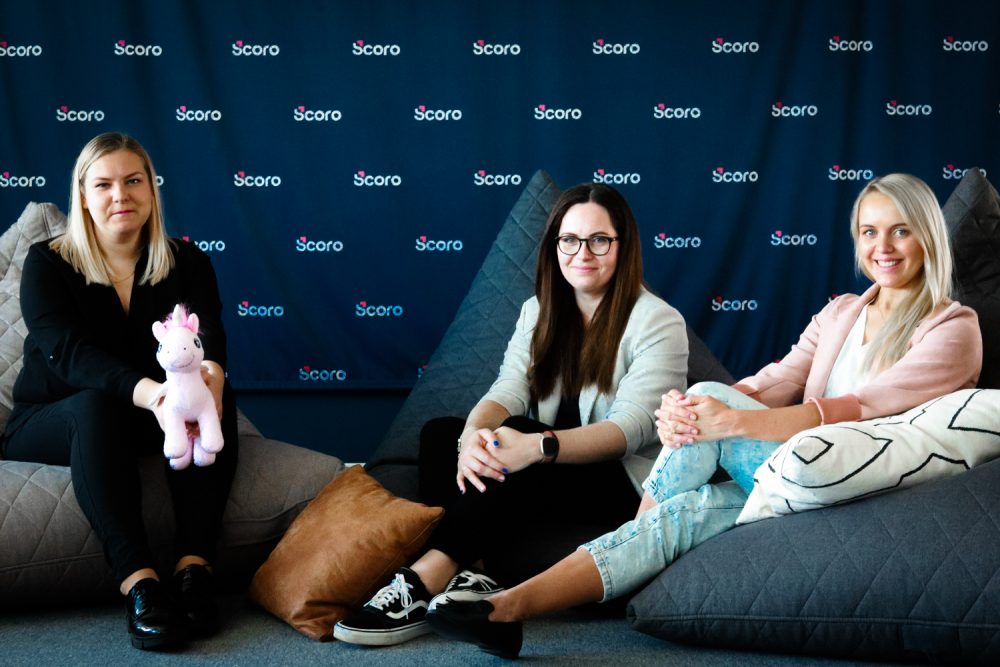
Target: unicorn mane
point(180, 318)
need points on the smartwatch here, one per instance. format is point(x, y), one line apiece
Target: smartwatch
point(548, 443)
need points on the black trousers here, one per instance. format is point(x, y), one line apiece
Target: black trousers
point(102, 438)
point(525, 524)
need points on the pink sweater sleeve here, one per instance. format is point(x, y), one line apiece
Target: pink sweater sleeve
point(945, 354)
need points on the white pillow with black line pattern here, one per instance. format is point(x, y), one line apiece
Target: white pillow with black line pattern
point(839, 463)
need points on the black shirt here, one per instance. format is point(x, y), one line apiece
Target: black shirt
point(80, 337)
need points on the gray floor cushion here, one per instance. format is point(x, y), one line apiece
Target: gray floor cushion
point(48, 552)
point(973, 215)
point(468, 358)
point(910, 575)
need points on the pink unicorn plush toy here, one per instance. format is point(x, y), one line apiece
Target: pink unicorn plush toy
point(186, 397)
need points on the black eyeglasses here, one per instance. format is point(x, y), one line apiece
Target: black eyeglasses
point(597, 244)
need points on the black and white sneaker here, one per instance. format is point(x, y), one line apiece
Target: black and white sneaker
point(394, 615)
point(468, 585)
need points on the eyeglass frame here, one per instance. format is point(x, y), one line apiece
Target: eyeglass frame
point(580, 242)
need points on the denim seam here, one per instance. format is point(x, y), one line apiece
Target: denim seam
point(598, 552)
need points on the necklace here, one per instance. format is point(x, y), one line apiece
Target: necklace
point(122, 279)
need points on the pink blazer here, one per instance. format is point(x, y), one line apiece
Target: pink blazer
point(944, 355)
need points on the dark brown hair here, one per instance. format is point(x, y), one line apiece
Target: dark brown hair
point(561, 346)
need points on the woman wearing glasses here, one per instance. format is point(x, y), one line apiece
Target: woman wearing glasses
point(566, 434)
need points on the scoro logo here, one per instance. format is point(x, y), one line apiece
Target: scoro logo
point(240, 48)
point(124, 49)
point(482, 178)
point(310, 374)
point(661, 240)
point(722, 46)
point(359, 48)
point(423, 113)
point(838, 173)
point(602, 48)
point(782, 110)
point(365, 309)
point(661, 110)
point(363, 179)
point(838, 44)
point(729, 305)
point(780, 238)
point(159, 181)
point(19, 51)
point(950, 172)
point(303, 244)
point(185, 114)
point(949, 43)
point(301, 114)
point(720, 175)
point(65, 114)
point(9, 181)
point(601, 176)
point(242, 180)
point(894, 108)
point(246, 309)
point(424, 244)
point(215, 245)
point(481, 48)
point(542, 112)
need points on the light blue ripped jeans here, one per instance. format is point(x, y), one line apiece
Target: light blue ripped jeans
point(689, 510)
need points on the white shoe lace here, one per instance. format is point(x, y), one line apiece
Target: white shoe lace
point(473, 578)
point(397, 588)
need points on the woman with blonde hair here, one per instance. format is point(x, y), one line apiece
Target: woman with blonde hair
point(89, 394)
point(900, 344)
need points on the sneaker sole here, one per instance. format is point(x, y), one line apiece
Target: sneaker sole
point(380, 637)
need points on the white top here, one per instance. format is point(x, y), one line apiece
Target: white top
point(652, 358)
point(847, 375)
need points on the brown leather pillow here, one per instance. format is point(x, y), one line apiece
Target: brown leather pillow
point(340, 550)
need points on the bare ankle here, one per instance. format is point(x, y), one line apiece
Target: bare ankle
point(504, 607)
point(136, 577)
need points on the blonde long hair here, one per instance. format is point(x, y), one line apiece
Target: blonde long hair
point(78, 245)
point(919, 208)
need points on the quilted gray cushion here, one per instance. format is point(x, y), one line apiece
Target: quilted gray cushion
point(973, 215)
point(466, 362)
point(906, 576)
point(51, 556)
point(48, 552)
point(37, 222)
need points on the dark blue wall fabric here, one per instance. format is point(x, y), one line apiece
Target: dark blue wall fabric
point(348, 164)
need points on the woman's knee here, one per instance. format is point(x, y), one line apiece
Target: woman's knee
point(709, 388)
point(726, 394)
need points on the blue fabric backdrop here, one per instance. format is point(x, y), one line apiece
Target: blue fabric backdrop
point(347, 164)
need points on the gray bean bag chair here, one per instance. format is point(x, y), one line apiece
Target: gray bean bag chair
point(48, 552)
